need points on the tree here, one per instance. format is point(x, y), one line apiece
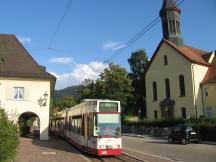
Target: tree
point(9, 138)
point(117, 84)
point(65, 102)
point(138, 63)
point(87, 89)
point(113, 84)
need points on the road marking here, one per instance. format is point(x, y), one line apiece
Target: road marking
point(156, 156)
point(49, 153)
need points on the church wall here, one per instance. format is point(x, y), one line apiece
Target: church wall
point(198, 73)
point(177, 65)
point(33, 90)
point(209, 93)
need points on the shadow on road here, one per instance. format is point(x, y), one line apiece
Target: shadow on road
point(54, 144)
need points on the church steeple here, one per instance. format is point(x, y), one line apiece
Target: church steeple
point(170, 14)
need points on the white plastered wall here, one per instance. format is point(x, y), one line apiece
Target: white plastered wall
point(33, 90)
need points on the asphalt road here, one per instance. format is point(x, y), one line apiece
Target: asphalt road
point(174, 152)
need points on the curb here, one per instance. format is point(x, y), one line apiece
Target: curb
point(143, 136)
point(133, 135)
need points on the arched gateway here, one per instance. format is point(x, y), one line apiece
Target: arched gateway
point(29, 124)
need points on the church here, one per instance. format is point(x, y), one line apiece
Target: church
point(180, 79)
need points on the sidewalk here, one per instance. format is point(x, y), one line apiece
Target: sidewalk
point(164, 138)
point(54, 150)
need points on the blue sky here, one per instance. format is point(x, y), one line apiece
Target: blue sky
point(93, 29)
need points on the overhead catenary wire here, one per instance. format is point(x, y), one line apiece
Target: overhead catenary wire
point(59, 25)
point(137, 36)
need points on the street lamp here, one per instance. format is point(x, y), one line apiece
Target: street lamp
point(42, 101)
point(139, 114)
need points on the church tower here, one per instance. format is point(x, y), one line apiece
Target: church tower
point(170, 14)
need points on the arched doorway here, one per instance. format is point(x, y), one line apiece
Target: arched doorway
point(29, 125)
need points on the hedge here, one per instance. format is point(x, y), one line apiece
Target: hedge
point(206, 127)
point(9, 138)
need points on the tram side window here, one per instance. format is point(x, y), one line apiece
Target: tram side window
point(72, 125)
point(66, 123)
point(69, 123)
point(82, 126)
point(77, 125)
point(90, 126)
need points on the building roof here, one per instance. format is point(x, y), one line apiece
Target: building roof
point(210, 76)
point(192, 54)
point(169, 5)
point(16, 62)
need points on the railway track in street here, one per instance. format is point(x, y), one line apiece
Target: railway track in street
point(122, 158)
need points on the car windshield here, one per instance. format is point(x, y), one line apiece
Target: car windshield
point(107, 125)
point(189, 129)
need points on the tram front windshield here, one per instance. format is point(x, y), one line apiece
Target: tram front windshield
point(108, 125)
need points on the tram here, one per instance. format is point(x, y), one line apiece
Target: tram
point(93, 126)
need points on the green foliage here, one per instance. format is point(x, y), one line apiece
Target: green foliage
point(113, 84)
point(138, 63)
point(156, 123)
point(8, 137)
point(72, 91)
point(206, 127)
point(64, 102)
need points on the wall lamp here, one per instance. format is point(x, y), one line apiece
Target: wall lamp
point(42, 101)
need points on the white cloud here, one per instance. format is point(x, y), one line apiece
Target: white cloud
point(114, 46)
point(61, 60)
point(24, 40)
point(78, 74)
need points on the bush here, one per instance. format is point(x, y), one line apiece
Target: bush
point(206, 127)
point(8, 138)
point(155, 123)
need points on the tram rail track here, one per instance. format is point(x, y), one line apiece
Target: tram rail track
point(122, 158)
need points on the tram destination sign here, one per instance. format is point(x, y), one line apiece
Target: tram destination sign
point(108, 106)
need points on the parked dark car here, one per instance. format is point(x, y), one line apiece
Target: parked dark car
point(184, 134)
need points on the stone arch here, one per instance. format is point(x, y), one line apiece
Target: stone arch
point(29, 124)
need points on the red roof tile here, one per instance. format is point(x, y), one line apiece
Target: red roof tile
point(210, 76)
point(194, 55)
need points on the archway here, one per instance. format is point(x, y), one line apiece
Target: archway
point(29, 125)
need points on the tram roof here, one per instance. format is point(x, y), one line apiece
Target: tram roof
point(84, 100)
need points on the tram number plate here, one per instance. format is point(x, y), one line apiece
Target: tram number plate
point(104, 152)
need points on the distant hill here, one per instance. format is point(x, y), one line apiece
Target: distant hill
point(69, 91)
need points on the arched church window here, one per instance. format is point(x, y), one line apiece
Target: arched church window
point(167, 88)
point(173, 26)
point(165, 60)
point(154, 86)
point(182, 85)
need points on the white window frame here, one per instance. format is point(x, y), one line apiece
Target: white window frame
point(19, 91)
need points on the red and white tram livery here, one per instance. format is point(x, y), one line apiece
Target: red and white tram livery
point(93, 126)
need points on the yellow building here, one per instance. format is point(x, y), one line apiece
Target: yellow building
point(180, 80)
